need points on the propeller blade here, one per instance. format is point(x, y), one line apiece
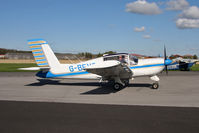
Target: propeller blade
point(165, 58)
point(165, 53)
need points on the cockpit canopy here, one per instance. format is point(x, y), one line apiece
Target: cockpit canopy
point(122, 57)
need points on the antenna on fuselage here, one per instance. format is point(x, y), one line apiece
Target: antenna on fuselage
point(77, 58)
point(69, 60)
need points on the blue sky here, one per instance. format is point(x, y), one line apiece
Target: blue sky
point(101, 25)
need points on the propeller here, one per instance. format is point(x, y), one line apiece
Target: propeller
point(165, 58)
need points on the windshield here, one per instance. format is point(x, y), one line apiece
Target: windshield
point(133, 60)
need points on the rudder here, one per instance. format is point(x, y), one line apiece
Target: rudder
point(43, 54)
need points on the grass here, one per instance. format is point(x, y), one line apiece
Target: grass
point(195, 67)
point(13, 67)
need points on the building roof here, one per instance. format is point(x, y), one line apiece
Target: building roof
point(188, 55)
point(105, 55)
point(138, 55)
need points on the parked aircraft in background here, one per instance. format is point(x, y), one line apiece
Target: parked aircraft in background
point(182, 64)
point(116, 68)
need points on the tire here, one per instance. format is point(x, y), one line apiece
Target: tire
point(117, 86)
point(155, 86)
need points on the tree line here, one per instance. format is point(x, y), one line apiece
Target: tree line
point(4, 51)
point(89, 55)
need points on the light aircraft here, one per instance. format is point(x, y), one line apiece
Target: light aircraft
point(115, 68)
point(182, 64)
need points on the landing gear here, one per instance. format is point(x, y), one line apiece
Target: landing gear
point(117, 83)
point(126, 82)
point(156, 79)
point(117, 86)
point(155, 85)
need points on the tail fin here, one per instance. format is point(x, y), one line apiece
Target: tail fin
point(43, 54)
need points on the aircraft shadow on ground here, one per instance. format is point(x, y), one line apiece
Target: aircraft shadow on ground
point(56, 82)
point(101, 89)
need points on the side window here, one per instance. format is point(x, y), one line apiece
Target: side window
point(111, 58)
point(123, 59)
point(136, 60)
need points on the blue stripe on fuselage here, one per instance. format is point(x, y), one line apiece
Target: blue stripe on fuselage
point(153, 65)
point(51, 75)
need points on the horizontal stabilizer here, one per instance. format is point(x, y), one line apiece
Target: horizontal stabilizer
point(34, 68)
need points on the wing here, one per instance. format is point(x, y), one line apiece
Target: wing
point(110, 69)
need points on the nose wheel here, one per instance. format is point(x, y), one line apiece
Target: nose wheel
point(156, 79)
point(155, 86)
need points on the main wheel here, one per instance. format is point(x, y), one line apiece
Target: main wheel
point(155, 86)
point(117, 86)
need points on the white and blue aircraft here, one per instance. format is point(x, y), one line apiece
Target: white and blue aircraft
point(115, 68)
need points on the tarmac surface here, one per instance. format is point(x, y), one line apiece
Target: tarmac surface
point(72, 106)
point(30, 117)
point(179, 89)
